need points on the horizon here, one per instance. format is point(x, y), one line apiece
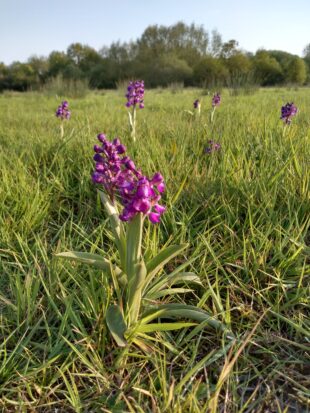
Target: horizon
point(43, 29)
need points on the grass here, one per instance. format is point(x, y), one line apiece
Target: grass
point(244, 211)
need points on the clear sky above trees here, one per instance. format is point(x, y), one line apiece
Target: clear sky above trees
point(40, 26)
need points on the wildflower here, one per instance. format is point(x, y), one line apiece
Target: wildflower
point(196, 104)
point(287, 112)
point(214, 147)
point(62, 111)
point(135, 94)
point(120, 178)
point(216, 100)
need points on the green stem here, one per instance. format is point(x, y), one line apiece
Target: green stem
point(212, 114)
point(62, 130)
point(121, 360)
point(133, 125)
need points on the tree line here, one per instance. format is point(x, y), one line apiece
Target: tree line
point(163, 55)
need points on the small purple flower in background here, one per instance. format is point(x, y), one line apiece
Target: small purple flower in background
point(121, 180)
point(62, 111)
point(214, 147)
point(135, 94)
point(216, 100)
point(196, 104)
point(287, 112)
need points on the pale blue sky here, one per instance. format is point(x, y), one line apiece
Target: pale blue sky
point(30, 27)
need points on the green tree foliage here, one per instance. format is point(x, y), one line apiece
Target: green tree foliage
point(20, 76)
point(306, 54)
point(39, 66)
point(57, 63)
point(216, 44)
point(169, 69)
point(297, 71)
point(162, 55)
point(4, 71)
point(210, 72)
point(267, 69)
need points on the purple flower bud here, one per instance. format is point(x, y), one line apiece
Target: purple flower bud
point(214, 147)
point(121, 180)
point(159, 208)
point(101, 137)
point(98, 149)
point(154, 218)
point(121, 149)
point(143, 191)
point(142, 205)
point(157, 179)
point(216, 100)
point(130, 165)
point(135, 95)
point(97, 178)
point(98, 158)
point(161, 187)
point(100, 167)
point(287, 112)
point(62, 111)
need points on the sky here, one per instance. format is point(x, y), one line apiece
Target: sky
point(37, 27)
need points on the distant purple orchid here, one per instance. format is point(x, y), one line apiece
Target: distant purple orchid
point(216, 100)
point(62, 111)
point(196, 104)
point(121, 180)
point(287, 112)
point(213, 147)
point(135, 94)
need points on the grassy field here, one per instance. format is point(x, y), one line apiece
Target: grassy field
point(244, 211)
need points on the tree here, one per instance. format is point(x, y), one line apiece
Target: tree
point(297, 71)
point(168, 69)
point(40, 67)
point(267, 69)
point(210, 72)
point(186, 42)
point(240, 70)
point(216, 44)
point(21, 76)
point(306, 51)
point(83, 56)
point(4, 71)
point(229, 49)
point(57, 63)
point(306, 54)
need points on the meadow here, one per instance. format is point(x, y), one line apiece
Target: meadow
point(244, 211)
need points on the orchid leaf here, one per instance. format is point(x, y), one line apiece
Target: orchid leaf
point(186, 311)
point(149, 328)
point(168, 291)
point(163, 257)
point(116, 324)
point(170, 280)
point(97, 261)
point(135, 285)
